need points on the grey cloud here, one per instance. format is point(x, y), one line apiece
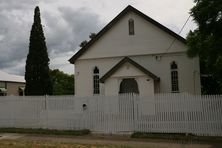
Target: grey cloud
point(14, 30)
point(64, 31)
point(11, 5)
point(73, 26)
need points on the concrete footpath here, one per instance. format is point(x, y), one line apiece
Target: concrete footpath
point(112, 139)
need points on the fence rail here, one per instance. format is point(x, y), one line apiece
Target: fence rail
point(162, 113)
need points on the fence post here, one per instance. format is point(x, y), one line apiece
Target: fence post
point(12, 112)
point(135, 110)
point(46, 111)
point(185, 96)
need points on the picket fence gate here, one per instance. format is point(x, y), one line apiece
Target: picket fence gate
point(162, 113)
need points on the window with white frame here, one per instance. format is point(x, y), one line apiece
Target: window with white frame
point(174, 77)
point(96, 89)
point(131, 27)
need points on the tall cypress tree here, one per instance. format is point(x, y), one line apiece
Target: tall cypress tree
point(37, 62)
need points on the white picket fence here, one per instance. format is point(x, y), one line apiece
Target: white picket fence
point(163, 113)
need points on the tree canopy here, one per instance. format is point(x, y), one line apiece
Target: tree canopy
point(206, 42)
point(83, 43)
point(63, 84)
point(37, 62)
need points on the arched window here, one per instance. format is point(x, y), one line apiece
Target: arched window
point(174, 77)
point(96, 89)
point(131, 27)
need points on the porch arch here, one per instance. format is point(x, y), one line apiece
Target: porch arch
point(128, 85)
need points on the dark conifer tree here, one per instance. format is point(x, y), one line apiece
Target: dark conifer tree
point(37, 62)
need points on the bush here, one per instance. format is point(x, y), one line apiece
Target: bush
point(176, 136)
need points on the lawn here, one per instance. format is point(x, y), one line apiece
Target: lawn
point(50, 144)
point(45, 131)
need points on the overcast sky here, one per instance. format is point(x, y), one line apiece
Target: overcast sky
point(68, 22)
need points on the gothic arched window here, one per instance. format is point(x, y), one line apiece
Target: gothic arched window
point(174, 77)
point(96, 89)
point(131, 27)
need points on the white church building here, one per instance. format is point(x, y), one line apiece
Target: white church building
point(135, 54)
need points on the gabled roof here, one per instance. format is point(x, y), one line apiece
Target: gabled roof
point(114, 21)
point(121, 63)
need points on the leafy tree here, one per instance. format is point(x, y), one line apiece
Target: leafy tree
point(206, 41)
point(63, 84)
point(83, 43)
point(92, 35)
point(37, 62)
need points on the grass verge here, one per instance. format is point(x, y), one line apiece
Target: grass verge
point(51, 144)
point(45, 131)
point(176, 136)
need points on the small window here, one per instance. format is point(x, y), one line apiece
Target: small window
point(131, 27)
point(21, 91)
point(174, 77)
point(96, 88)
point(3, 91)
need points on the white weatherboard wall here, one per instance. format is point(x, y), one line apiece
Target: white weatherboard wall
point(145, 83)
point(148, 42)
point(188, 70)
point(112, 86)
point(148, 39)
point(146, 86)
point(165, 113)
point(84, 74)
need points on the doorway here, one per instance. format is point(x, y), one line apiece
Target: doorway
point(128, 86)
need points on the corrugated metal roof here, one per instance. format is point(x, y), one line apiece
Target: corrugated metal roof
point(11, 78)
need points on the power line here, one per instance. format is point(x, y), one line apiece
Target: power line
point(178, 34)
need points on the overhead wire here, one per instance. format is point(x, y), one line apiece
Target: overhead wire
point(171, 44)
